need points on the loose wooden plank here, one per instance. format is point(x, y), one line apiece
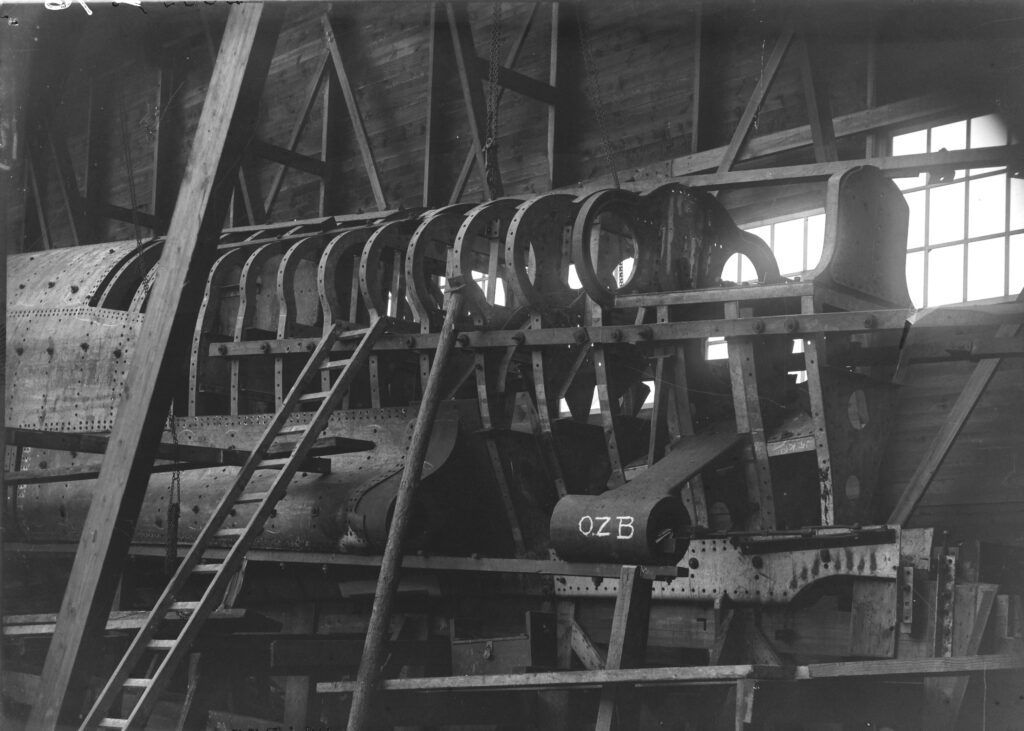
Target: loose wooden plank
point(228, 114)
point(580, 678)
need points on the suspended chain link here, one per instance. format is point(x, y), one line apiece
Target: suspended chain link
point(594, 95)
point(490, 149)
point(173, 501)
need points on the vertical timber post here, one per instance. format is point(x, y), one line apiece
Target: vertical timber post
point(224, 127)
point(387, 582)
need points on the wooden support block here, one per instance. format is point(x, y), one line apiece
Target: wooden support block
point(747, 405)
point(298, 688)
point(582, 646)
point(943, 697)
point(745, 690)
point(873, 618)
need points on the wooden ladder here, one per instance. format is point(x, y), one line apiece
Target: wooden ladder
point(174, 645)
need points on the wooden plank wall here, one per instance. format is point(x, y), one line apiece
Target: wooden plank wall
point(643, 60)
point(978, 492)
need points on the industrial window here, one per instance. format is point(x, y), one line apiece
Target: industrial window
point(795, 242)
point(966, 233)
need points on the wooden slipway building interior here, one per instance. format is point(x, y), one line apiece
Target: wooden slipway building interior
point(616, 365)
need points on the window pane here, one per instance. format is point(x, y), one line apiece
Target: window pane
point(952, 136)
point(986, 263)
point(908, 183)
point(747, 271)
point(915, 226)
point(1016, 203)
point(1016, 264)
point(731, 272)
point(912, 143)
point(717, 349)
point(762, 232)
point(789, 246)
point(815, 239)
point(988, 131)
point(915, 277)
point(946, 214)
point(987, 213)
point(946, 275)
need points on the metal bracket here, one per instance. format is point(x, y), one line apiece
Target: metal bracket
point(719, 569)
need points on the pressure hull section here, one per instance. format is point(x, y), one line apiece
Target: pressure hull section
point(347, 509)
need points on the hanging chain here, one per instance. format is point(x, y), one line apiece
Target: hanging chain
point(594, 94)
point(173, 501)
point(490, 149)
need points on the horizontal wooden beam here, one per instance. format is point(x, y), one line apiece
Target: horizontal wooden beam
point(904, 112)
point(292, 159)
point(522, 566)
point(520, 83)
point(120, 213)
point(97, 444)
point(900, 166)
point(707, 674)
point(578, 678)
point(82, 472)
point(925, 666)
point(664, 333)
point(41, 625)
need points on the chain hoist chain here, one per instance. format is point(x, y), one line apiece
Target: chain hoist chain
point(490, 149)
point(492, 79)
point(173, 500)
point(594, 93)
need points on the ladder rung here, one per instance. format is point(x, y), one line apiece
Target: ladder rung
point(113, 723)
point(229, 532)
point(161, 644)
point(316, 396)
point(351, 334)
point(206, 568)
point(252, 497)
point(335, 364)
point(310, 464)
point(184, 606)
point(138, 682)
point(295, 429)
point(275, 462)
